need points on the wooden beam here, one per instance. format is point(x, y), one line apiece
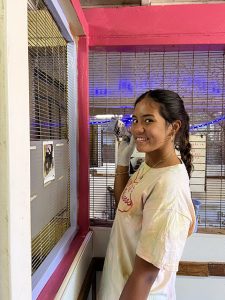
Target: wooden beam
point(217, 269)
point(103, 3)
point(75, 17)
point(186, 268)
point(193, 269)
point(211, 230)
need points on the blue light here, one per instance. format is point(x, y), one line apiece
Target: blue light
point(99, 122)
point(100, 92)
point(195, 127)
point(127, 119)
point(125, 85)
point(46, 124)
point(129, 88)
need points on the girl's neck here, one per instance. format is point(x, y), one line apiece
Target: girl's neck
point(159, 160)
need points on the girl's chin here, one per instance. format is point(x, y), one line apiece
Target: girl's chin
point(142, 148)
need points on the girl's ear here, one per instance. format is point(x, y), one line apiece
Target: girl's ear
point(176, 125)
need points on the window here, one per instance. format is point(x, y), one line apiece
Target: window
point(118, 78)
point(52, 77)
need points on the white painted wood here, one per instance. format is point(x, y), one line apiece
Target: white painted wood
point(200, 288)
point(73, 21)
point(198, 174)
point(73, 128)
point(197, 188)
point(198, 179)
point(200, 167)
point(59, 16)
point(205, 247)
point(15, 236)
point(145, 2)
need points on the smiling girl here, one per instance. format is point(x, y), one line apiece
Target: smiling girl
point(155, 214)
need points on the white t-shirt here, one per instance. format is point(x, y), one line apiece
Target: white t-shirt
point(154, 217)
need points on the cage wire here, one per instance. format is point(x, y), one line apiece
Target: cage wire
point(117, 78)
point(48, 90)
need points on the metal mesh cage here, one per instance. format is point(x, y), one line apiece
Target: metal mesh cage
point(118, 78)
point(48, 88)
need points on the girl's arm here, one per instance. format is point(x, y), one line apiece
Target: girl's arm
point(121, 179)
point(140, 281)
point(125, 151)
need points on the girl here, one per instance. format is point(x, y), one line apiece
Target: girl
point(155, 214)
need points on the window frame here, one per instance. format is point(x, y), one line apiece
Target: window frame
point(51, 262)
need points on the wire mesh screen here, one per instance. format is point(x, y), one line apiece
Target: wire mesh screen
point(50, 186)
point(118, 78)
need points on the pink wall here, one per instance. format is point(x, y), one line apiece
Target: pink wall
point(83, 138)
point(194, 24)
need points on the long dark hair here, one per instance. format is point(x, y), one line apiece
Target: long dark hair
point(171, 109)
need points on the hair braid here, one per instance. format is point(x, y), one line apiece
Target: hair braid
point(184, 147)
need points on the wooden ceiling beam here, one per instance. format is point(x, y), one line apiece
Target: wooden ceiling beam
point(109, 3)
point(115, 3)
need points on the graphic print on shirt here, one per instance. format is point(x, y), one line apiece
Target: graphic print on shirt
point(126, 203)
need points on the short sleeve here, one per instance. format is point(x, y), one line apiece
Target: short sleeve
point(164, 230)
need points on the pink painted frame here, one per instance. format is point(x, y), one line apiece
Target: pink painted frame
point(184, 27)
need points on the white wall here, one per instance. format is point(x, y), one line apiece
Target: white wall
point(73, 281)
point(202, 248)
point(199, 248)
point(15, 237)
point(200, 288)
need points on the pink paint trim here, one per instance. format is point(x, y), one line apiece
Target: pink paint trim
point(80, 14)
point(83, 138)
point(51, 288)
point(168, 48)
point(194, 24)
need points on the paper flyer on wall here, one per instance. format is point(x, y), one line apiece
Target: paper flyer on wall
point(48, 161)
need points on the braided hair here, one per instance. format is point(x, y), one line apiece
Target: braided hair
point(172, 109)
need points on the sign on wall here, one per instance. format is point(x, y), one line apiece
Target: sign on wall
point(198, 143)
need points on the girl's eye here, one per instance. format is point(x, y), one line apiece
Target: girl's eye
point(134, 121)
point(148, 120)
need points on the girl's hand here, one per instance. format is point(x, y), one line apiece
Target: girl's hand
point(125, 150)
